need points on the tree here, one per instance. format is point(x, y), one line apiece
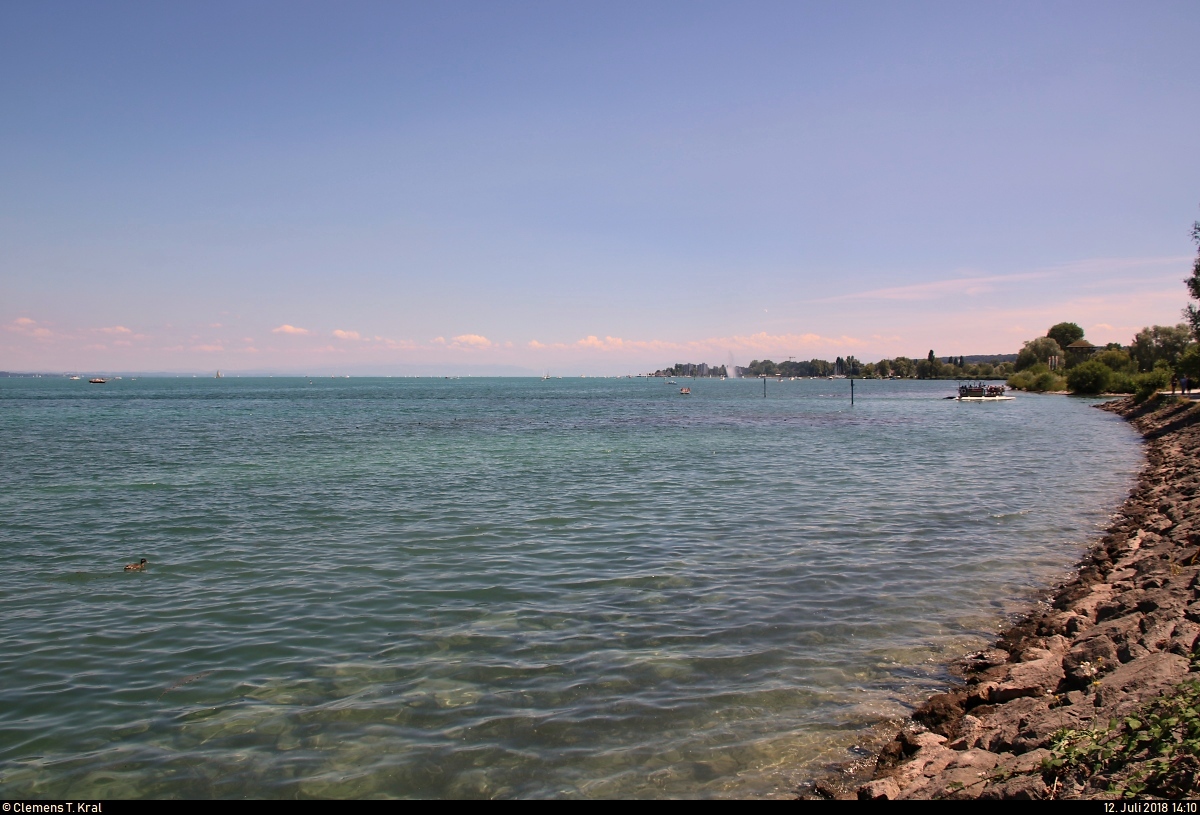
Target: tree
point(1117, 360)
point(904, 367)
point(1089, 377)
point(1189, 363)
point(1191, 313)
point(1065, 333)
point(1038, 350)
point(1160, 343)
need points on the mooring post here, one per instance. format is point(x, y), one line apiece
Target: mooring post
point(851, 391)
point(764, 387)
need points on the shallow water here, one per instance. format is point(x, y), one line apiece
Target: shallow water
point(505, 587)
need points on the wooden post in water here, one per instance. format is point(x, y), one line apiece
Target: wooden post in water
point(764, 387)
point(852, 393)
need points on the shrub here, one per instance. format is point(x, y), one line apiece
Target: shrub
point(1150, 383)
point(1038, 378)
point(1117, 359)
point(1122, 383)
point(1089, 377)
point(1048, 381)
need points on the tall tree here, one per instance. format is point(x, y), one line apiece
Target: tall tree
point(1191, 313)
point(1038, 350)
point(1159, 342)
point(1065, 333)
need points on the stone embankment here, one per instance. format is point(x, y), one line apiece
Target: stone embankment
point(1122, 633)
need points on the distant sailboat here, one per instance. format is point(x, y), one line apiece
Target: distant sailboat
point(218, 376)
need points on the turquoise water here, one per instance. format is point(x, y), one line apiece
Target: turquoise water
point(505, 587)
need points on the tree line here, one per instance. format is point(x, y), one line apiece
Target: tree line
point(1157, 356)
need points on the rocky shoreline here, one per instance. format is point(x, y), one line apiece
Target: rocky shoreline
point(1119, 635)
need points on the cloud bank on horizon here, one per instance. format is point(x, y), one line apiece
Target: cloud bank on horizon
point(593, 189)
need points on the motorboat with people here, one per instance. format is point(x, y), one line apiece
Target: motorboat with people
point(685, 391)
point(980, 392)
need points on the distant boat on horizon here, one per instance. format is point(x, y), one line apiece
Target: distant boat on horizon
point(218, 376)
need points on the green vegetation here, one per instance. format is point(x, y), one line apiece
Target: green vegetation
point(1156, 751)
point(1038, 378)
point(813, 367)
point(1089, 377)
point(692, 369)
point(1042, 350)
point(1157, 356)
point(1065, 333)
point(900, 368)
point(1191, 313)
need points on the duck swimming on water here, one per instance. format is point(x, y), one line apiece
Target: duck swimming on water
point(140, 566)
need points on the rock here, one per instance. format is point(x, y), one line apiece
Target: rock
point(941, 712)
point(1034, 678)
point(1139, 681)
point(1089, 600)
point(1183, 637)
point(1017, 788)
point(882, 789)
point(1005, 722)
point(1089, 659)
point(970, 731)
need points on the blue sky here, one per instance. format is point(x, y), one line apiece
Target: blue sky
point(603, 188)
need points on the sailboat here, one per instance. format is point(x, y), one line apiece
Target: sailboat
point(218, 376)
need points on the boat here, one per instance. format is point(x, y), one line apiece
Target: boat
point(979, 392)
point(97, 381)
point(72, 376)
point(218, 376)
point(685, 391)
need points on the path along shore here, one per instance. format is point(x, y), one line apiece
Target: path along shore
point(1120, 635)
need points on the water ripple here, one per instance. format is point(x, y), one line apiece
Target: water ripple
point(501, 588)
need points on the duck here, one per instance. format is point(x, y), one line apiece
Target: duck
point(140, 566)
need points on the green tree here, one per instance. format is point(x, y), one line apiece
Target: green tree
point(1038, 350)
point(904, 367)
point(1160, 343)
point(1191, 313)
point(1065, 333)
point(1189, 363)
point(1117, 360)
point(1089, 377)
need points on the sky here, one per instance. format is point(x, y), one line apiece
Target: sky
point(586, 188)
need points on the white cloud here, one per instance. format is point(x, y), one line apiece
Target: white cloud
point(472, 341)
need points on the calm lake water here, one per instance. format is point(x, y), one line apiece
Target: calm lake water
point(506, 587)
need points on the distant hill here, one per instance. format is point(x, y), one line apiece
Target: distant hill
point(973, 358)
